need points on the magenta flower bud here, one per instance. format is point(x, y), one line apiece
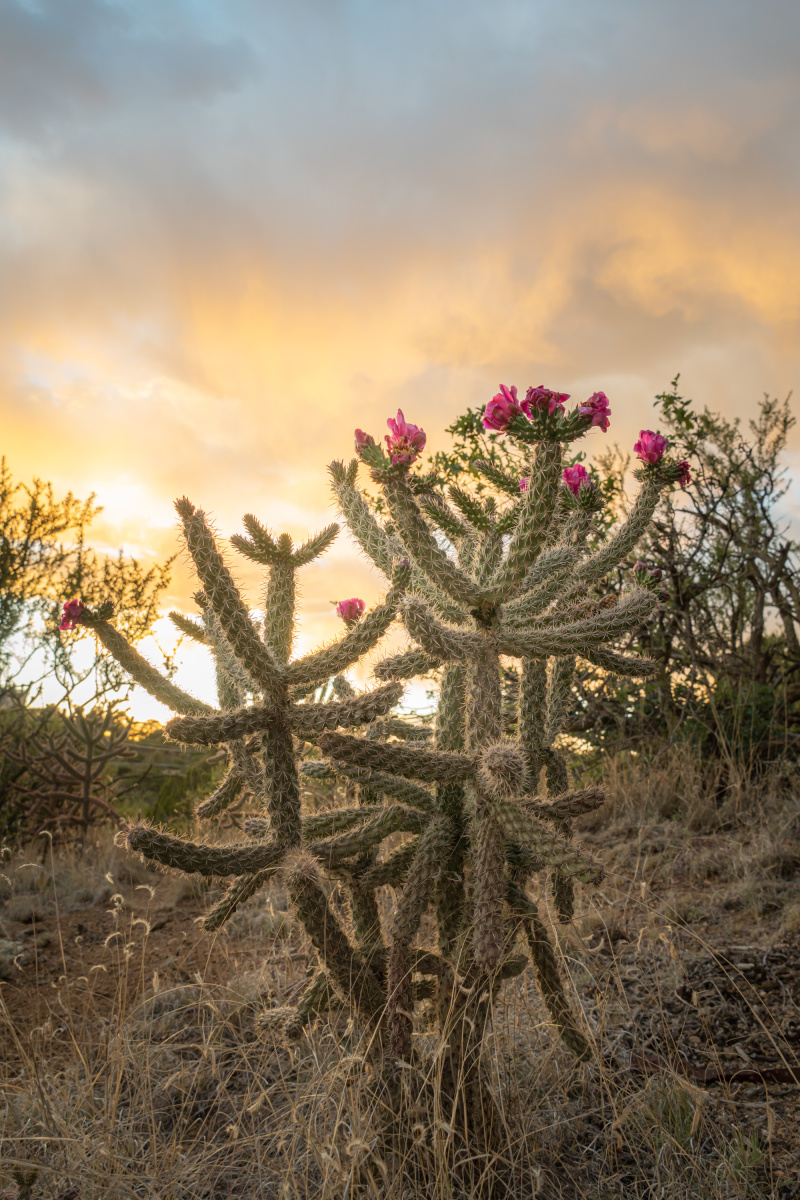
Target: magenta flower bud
point(405, 441)
point(650, 447)
point(575, 477)
point(542, 398)
point(350, 610)
point(71, 617)
point(639, 566)
point(524, 483)
point(685, 474)
point(363, 439)
point(656, 573)
point(502, 409)
point(663, 596)
point(597, 407)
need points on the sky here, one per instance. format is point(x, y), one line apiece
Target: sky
point(232, 232)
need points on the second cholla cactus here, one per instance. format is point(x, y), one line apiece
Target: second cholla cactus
point(516, 583)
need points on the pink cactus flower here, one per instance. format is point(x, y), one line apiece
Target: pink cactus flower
point(405, 441)
point(524, 483)
point(650, 447)
point(685, 474)
point(71, 617)
point(502, 408)
point(597, 407)
point(350, 610)
point(575, 477)
point(363, 440)
point(543, 398)
point(639, 566)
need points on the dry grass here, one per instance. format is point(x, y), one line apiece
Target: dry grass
point(133, 1066)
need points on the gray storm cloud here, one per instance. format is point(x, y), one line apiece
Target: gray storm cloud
point(421, 198)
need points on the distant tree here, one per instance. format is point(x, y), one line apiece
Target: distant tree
point(44, 560)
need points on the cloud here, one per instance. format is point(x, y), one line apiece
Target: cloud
point(230, 233)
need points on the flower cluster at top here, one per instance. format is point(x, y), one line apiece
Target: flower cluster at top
point(504, 407)
point(71, 617)
point(405, 442)
point(575, 477)
point(651, 448)
point(350, 610)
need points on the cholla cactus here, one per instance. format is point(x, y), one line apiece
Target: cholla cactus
point(516, 581)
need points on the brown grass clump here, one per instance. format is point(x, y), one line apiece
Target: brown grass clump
point(138, 1059)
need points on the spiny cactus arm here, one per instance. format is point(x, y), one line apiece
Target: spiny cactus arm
point(546, 967)
point(142, 673)
point(359, 639)
point(490, 554)
point(624, 542)
point(533, 521)
point(489, 888)
point(224, 598)
point(471, 508)
point(537, 601)
point(549, 577)
point(559, 695)
point(352, 977)
point(436, 639)
point(222, 796)
point(621, 664)
point(432, 851)
point(227, 727)
point(244, 756)
point(342, 687)
point(379, 781)
point(327, 824)
point(404, 730)
point(381, 547)
point(279, 607)
point(195, 859)
point(502, 772)
point(484, 698)
point(443, 517)
point(378, 545)
point(394, 868)
point(407, 665)
point(233, 682)
point(503, 483)
point(570, 804)
point(282, 781)
point(397, 759)
point(525, 830)
point(507, 521)
point(237, 894)
point(318, 998)
point(574, 637)
point(422, 545)
point(261, 546)
point(451, 708)
point(257, 827)
point(365, 919)
point(315, 546)
point(394, 819)
point(186, 625)
point(309, 720)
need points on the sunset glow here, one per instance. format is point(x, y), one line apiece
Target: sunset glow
point(231, 233)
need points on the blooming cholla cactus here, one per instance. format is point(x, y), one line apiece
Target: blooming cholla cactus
point(516, 581)
point(516, 584)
